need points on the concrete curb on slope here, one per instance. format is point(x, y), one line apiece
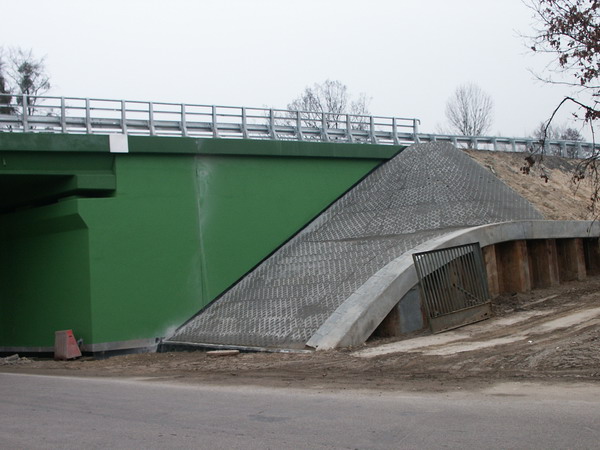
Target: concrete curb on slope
point(356, 319)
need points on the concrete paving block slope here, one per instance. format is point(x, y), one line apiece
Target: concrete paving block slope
point(426, 191)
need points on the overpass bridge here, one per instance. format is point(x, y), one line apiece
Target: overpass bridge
point(251, 227)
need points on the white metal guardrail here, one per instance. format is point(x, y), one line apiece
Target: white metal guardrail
point(569, 149)
point(47, 114)
point(91, 116)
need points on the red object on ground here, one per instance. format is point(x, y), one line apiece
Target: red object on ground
point(65, 345)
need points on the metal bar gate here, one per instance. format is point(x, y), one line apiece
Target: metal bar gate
point(453, 286)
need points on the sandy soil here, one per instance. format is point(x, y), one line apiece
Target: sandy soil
point(548, 335)
point(558, 198)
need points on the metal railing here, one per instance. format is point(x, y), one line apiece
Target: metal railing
point(569, 149)
point(46, 114)
point(100, 116)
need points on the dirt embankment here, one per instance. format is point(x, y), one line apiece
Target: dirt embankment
point(557, 197)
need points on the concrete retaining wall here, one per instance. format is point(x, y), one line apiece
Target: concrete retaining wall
point(356, 319)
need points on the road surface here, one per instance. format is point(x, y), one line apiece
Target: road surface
point(63, 412)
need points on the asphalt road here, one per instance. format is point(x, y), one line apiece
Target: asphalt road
point(60, 412)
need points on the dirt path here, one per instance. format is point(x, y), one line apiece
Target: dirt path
point(548, 335)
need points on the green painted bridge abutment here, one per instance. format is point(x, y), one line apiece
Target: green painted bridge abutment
point(124, 247)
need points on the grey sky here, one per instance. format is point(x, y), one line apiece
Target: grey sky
point(408, 56)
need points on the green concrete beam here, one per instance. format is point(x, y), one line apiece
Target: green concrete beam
point(250, 147)
point(73, 143)
point(49, 142)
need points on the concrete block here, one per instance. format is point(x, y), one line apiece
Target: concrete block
point(411, 314)
point(215, 353)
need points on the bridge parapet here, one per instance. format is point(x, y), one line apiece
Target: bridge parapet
point(75, 115)
point(101, 116)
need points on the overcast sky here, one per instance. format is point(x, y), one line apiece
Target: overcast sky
point(407, 55)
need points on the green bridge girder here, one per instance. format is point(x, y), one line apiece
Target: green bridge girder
point(122, 248)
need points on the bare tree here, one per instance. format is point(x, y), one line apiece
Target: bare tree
point(569, 30)
point(21, 73)
point(570, 134)
point(469, 111)
point(332, 98)
point(544, 133)
point(5, 97)
point(27, 75)
point(558, 132)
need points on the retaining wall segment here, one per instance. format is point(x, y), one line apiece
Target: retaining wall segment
point(425, 192)
point(358, 316)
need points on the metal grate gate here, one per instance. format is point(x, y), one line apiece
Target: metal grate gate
point(453, 286)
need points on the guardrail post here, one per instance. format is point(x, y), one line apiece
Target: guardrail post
point(324, 134)
point(299, 126)
point(495, 144)
point(563, 149)
point(513, 143)
point(416, 131)
point(474, 142)
point(63, 114)
point(183, 125)
point(372, 130)
point(151, 117)
point(579, 150)
point(123, 116)
point(244, 124)
point(349, 135)
point(530, 145)
point(88, 119)
point(272, 124)
point(395, 131)
point(214, 122)
point(25, 113)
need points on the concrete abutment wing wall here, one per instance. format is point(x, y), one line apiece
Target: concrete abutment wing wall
point(295, 297)
point(356, 319)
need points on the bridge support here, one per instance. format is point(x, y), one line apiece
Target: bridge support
point(519, 266)
point(571, 259)
point(491, 269)
point(591, 249)
point(543, 263)
point(513, 267)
